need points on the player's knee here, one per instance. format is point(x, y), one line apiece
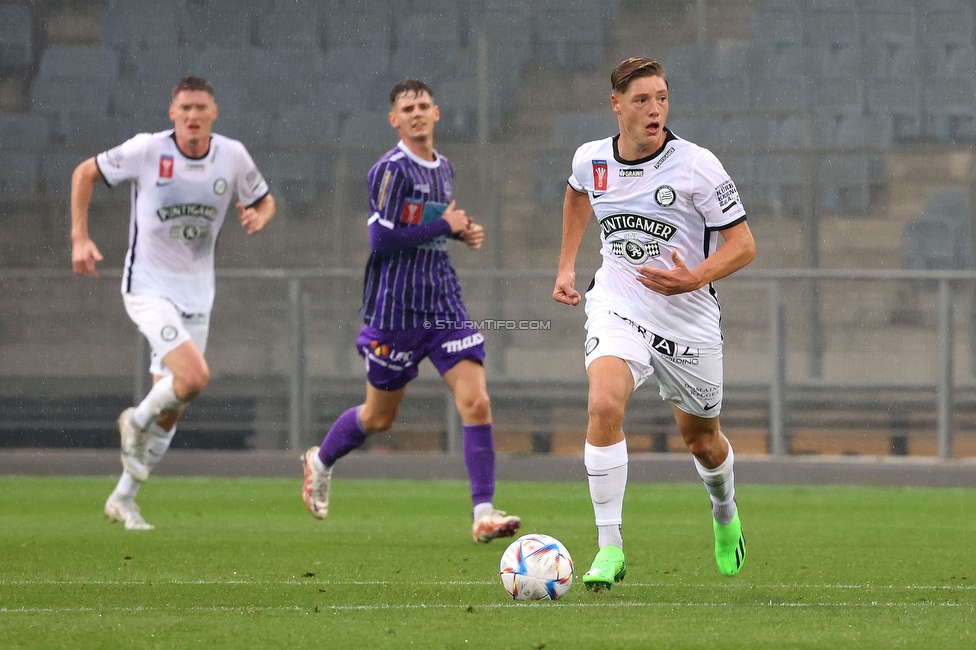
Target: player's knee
point(605, 408)
point(701, 445)
point(377, 422)
point(475, 408)
point(191, 383)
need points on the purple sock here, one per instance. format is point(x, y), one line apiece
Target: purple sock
point(345, 435)
point(479, 458)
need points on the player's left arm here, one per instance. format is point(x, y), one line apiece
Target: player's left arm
point(738, 249)
point(258, 215)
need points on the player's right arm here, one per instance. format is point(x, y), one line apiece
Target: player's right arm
point(84, 253)
point(576, 214)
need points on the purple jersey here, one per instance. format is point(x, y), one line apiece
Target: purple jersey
point(409, 276)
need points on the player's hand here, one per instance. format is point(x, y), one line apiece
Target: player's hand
point(458, 220)
point(250, 218)
point(669, 282)
point(565, 291)
point(473, 235)
point(84, 256)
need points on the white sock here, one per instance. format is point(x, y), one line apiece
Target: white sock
point(157, 443)
point(160, 398)
point(127, 488)
point(720, 483)
point(606, 471)
point(482, 509)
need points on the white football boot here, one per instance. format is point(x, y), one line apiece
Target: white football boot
point(126, 512)
point(133, 446)
point(495, 524)
point(315, 490)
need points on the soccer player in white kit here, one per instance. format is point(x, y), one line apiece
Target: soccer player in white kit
point(661, 203)
point(182, 181)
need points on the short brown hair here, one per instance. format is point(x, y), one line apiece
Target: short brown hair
point(415, 86)
point(192, 84)
point(635, 68)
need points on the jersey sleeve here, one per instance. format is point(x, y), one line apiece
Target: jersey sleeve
point(387, 189)
point(251, 186)
point(124, 162)
point(580, 175)
point(714, 193)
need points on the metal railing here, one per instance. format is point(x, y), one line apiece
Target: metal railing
point(775, 326)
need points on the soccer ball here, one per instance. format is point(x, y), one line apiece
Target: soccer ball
point(536, 567)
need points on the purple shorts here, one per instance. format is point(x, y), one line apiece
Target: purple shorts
point(392, 356)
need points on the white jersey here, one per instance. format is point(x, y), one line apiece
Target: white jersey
point(676, 199)
point(178, 207)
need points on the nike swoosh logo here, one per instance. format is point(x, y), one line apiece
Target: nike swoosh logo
point(596, 196)
point(588, 474)
point(709, 407)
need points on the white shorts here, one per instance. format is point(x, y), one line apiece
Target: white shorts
point(165, 327)
point(690, 378)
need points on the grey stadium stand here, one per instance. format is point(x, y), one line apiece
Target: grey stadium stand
point(16, 40)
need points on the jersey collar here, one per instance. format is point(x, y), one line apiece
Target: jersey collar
point(429, 164)
point(206, 153)
point(668, 137)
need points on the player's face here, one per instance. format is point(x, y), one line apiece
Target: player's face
point(193, 113)
point(414, 115)
point(642, 112)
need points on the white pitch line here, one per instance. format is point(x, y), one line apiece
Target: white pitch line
point(424, 606)
point(443, 583)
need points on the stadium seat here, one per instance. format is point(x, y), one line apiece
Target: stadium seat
point(302, 126)
point(16, 37)
point(19, 175)
point(91, 63)
point(136, 24)
point(24, 132)
point(889, 22)
point(550, 171)
point(289, 24)
point(364, 23)
point(292, 177)
point(790, 93)
point(367, 128)
point(946, 22)
point(950, 110)
point(58, 96)
point(357, 62)
point(835, 24)
point(778, 23)
point(223, 23)
point(894, 61)
point(573, 129)
point(931, 242)
point(899, 100)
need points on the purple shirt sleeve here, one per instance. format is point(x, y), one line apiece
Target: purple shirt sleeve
point(383, 239)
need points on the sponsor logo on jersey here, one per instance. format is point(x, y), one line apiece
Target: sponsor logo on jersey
point(190, 232)
point(591, 344)
point(727, 195)
point(623, 222)
point(631, 173)
point(187, 210)
point(114, 157)
point(220, 186)
point(634, 251)
point(168, 333)
point(664, 196)
point(165, 166)
point(463, 344)
point(253, 179)
point(413, 212)
point(667, 154)
point(382, 350)
point(600, 175)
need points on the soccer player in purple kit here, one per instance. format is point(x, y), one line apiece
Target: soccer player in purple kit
point(412, 309)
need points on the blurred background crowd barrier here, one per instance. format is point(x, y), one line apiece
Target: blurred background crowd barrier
point(847, 126)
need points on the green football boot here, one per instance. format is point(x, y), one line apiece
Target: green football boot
point(608, 567)
point(730, 546)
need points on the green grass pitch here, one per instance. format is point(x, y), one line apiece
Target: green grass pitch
point(241, 564)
